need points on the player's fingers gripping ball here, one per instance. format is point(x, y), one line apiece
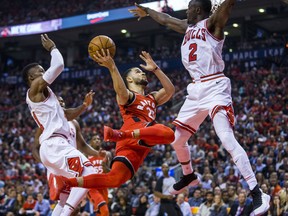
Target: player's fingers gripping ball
point(101, 42)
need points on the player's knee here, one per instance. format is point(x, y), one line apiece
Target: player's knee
point(103, 210)
point(169, 135)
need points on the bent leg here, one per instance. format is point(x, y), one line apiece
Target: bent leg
point(118, 175)
point(182, 150)
point(156, 134)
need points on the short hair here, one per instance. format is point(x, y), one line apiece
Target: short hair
point(125, 75)
point(25, 72)
point(206, 5)
point(209, 192)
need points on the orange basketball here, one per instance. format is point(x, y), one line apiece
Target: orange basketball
point(101, 42)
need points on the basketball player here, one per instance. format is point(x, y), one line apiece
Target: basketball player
point(99, 198)
point(56, 153)
point(140, 131)
point(101, 164)
point(210, 91)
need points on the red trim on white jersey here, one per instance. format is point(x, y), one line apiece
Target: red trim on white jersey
point(184, 126)
point(217, 39)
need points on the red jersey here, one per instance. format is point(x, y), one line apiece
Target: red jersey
point(97, 163)
point(142, 106)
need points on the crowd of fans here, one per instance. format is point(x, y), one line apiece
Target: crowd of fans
point(19, 12)
point(261, 108)
point(260, 103)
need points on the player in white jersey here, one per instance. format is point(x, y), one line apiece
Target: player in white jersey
point(210, 91)
point(58, 156)
point(77, 141)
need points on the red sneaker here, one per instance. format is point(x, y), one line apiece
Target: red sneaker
point(112, 135)
point(57, 186)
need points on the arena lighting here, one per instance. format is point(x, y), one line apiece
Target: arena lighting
point(123, 31)
point(235, 25)
point(261, 10)
point(226, 33)
point(90, 18)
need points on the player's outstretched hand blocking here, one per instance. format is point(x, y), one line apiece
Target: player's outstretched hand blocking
point(104, 59)
point(139, 11)
point(88, 98)
point(150, 64)
point(47, 43)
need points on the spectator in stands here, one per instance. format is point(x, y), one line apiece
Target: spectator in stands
point(218, 208)
point(28, 206)
point(241, 206)
point(143, 206)
point(42, 206)
point(206, 206)
point(196, 199)
point(184, 205)
point(9, 202)
point(154, 207)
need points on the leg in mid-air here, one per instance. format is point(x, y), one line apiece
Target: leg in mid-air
point(225, 133)
point(151, 135)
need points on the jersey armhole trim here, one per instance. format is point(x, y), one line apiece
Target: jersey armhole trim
point(216, 39)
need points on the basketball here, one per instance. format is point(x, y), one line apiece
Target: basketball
point(101, 42)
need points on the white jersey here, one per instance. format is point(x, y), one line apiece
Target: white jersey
point(201, 52)
point(72, 135)
point(49, 116)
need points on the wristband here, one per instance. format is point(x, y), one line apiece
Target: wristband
point(156, 68)
point(53, 47)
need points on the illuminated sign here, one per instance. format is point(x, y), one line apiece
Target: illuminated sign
point(87, 19)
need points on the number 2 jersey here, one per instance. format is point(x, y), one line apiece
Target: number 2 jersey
point(201, 52)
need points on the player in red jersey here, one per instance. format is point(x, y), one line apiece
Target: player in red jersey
point(101, 164)
point(140, 131)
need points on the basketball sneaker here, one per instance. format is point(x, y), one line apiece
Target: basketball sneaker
point(112, 135)
point(191, 179)
point(56, 186)
point(261, 201)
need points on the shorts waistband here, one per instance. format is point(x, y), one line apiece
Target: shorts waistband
point(209, 77)
point(58, 135)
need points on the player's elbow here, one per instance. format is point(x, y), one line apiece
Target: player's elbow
point(59, 66)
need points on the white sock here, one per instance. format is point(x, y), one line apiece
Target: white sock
point(182, 150)
point(239, 156)
point(60, 205)
point(75, 197)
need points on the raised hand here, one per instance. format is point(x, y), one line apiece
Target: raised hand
point(47, 43)
point(139, 11)
point(150, 64)
point(104, 59)
point(88, 98)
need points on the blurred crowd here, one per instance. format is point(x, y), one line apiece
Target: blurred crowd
point(19, 12)
point(261, 108)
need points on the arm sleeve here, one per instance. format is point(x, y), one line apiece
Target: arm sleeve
point(56, 66)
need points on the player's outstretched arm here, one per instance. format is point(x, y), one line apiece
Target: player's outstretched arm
point(73, 113)
point(219, 18)
point(120, 88)
point(164, 94)
point(56, 67)
point(162, 18)
point(81, 143)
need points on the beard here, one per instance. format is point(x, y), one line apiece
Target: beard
point(142, 82)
